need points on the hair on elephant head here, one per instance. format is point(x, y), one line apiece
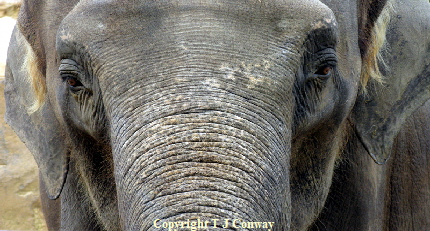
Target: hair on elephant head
point(231, 113)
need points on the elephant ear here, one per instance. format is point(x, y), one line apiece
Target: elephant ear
point(36, 125)
point(404, 63)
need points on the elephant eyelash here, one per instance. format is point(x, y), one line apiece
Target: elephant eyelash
point(70, 72)
point(71, 78)
point(326, 65)
point(320, 65)
point(326, 57)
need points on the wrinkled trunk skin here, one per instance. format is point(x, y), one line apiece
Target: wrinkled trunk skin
point(213, 158)
point(205, 137)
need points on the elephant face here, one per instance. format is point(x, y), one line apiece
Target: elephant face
point(177, 110)
point(203, 101)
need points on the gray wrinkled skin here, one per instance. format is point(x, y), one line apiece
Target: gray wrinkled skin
point(394, 196)
point(168, 111)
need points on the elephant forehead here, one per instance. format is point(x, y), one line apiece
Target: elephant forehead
point(236, 41)
point(287, 16)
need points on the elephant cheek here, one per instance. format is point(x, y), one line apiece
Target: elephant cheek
point(206, 164)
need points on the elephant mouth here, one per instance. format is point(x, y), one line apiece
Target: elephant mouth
point(202, 165)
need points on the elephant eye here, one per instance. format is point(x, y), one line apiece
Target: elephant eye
point(325, 63)
point(324, 71)
point(73, 82)
point(70, 72)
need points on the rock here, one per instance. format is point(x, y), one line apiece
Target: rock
point(9, 8)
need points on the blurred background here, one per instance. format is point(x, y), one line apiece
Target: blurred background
point(20, 207)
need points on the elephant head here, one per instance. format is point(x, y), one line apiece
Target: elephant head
point(141, 113)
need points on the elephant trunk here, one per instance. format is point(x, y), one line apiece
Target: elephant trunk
point(193, 157)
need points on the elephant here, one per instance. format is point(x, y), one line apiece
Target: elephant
point(393, 196)
point(218, 114)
